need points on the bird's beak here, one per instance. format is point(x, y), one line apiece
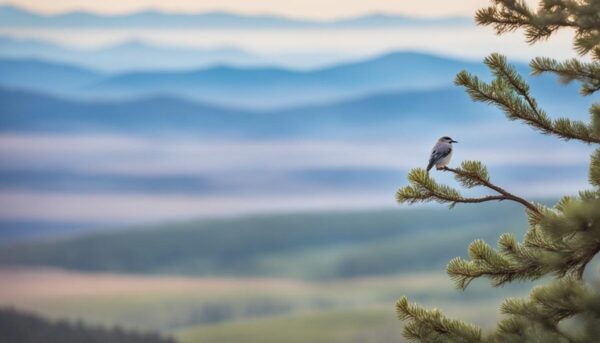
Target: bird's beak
point(453, 141)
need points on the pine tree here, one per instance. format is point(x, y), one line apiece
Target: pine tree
point(560, 240)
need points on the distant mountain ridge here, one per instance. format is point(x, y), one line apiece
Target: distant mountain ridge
point(128, 55)
point(270, 88)
point(376, 242)
point(42, 75)
point(379, 113)
point(18, 17)
point(256, 87)
point(25, 111)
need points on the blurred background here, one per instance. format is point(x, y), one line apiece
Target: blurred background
point(225, 171)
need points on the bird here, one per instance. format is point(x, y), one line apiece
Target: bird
point(441, 153)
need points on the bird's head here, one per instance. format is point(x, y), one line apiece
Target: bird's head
point(446, 139)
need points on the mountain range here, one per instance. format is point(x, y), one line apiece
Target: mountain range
point(24, 111)
point(268, 88)
point(128, 55)
point(42, 95)
point(11, 16)
point(47, 76)
point(257, 87)
point(346, 244)
point(277, 87)
point(379, 113)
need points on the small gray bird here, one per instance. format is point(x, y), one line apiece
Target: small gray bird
point(441, 153)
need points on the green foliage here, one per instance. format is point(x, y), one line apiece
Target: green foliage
point(26, 328)
point(423, 188)
point(307, 246)
point(432, 326)
point(584, 72)
point(561, 240)
point(509, 92)
point(472, 174)
point(595, 169)
point(595, 121)
point(340, 326)
point(537, 318)
point(552, 15)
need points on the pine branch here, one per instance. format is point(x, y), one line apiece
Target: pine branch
point(510, 93)
point(582, 16)
point(548, 305)
point(584, 262)
point(494, 265)
point(595, 119)
point(594, 173)
point(561, 241)
point(576, 227)
point(470, 174)
point(432, 326)
point(588, 73)
point(465, 176)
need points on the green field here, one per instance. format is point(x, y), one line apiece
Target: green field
point(201, 309)
point(364, 325)
point(307, 246)
point(326, 277)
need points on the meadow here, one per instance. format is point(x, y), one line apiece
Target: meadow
point(327, 277)
point(319, 245)
point(209, 309)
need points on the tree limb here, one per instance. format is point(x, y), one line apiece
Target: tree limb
point(504, 194)
point(523, 107)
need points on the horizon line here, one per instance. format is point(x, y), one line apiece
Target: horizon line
point(153, 9)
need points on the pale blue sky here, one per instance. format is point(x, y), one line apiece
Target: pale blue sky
point(293, 8)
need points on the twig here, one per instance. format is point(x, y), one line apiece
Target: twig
point(504, 194)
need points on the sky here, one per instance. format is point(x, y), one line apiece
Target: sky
point(316, 9)
point(471, 42)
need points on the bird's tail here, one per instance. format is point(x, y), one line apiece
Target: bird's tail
point(429, 166)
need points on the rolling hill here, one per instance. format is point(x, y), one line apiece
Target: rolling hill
point(256, 87)
point(127, 56)
point(216, 310)
point(276, 87)
point(380, 113)
point(17, 17)
point(16, 326)
point(41, 75)
point(242, 86)
point(318, 245)
point(265, 88)
point(24, 111)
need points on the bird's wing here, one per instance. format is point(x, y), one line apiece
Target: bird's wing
point(439, 151)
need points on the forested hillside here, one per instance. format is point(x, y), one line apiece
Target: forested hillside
point(325, 245)
point(18, 327)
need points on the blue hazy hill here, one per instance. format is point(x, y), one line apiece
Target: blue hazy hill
point(259, 87)
point(377, 114)
point(25, 47)
point(17, 17)
point(385, 88)
point(277, 87)
point(23, 111)
point(30, 111)
point(380, 19)
point(347, 244)
point(37, 74)
point(126, 56)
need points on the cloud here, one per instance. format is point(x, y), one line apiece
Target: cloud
point(162, 157)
